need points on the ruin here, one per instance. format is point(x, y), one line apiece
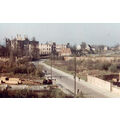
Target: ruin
point(22, 47)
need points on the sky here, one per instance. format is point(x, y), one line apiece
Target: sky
point(62, 33)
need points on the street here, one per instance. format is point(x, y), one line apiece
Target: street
point(67, 80)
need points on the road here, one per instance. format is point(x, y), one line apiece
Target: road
point(67, 81)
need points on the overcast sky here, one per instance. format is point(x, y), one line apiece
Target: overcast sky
point(74, 33)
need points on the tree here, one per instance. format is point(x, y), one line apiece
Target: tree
point(33, 39)
point(83, 45)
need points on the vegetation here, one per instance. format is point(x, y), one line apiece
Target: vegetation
point(114, 68)
point(88, 66)
point(25, 93)
point(23, 67)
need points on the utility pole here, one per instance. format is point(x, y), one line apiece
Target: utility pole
point(51, 66)
point(75, 63)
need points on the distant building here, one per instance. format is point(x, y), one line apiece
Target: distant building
point(45, 49)
point(84, 48)
point(105, 48)
point(34, 49)
point(117, 47)
point(53, 48)
point(65, 52)
point(60, 47)
point(22, 46)
point(78, 47)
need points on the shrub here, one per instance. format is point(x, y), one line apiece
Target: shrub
point(113, 68)
point(103, 66)
point(23, 61)
point(18, 94)
point(31, 68)
point(20, 69)
point(70, 68)
point(57, 93)
point(39, 72)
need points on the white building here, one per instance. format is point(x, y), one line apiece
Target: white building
point(45, 49)
point(78, 47)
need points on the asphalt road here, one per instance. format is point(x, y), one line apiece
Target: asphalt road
point(67, 81)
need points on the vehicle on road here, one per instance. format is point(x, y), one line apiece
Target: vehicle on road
point(48, 80)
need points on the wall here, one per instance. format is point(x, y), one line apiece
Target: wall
point(103, 84)
point(116, 90)
point(99, 83)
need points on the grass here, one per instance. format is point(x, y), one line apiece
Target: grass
point(25, 93)
point(94, 68)
point(64, 69)
point(22, 69)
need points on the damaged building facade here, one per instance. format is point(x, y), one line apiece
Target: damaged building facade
point(21, 47)
point(53, 48)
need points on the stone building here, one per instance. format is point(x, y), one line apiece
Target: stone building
point(22, 46)
point(55, 49)
point(65, 52)
point(34, 49)
point(45, 49)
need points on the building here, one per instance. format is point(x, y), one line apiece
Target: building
point(45, 49)
point(78, 47)
point(105, 48)
point(53, 48)
point(60, 47)
point(65, 52)
point(22, 46)
point(34, 49)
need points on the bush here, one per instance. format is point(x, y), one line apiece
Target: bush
point(18, 94)
point(39, 72)
point(70, 68)
point(89, 64)
point(57, 93)
point(31, 68)
point(103, 66)
point(22, 69)
point(113, 68)
point(23, 61)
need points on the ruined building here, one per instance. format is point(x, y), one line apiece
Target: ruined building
point(22, 47)
point(54, 49)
